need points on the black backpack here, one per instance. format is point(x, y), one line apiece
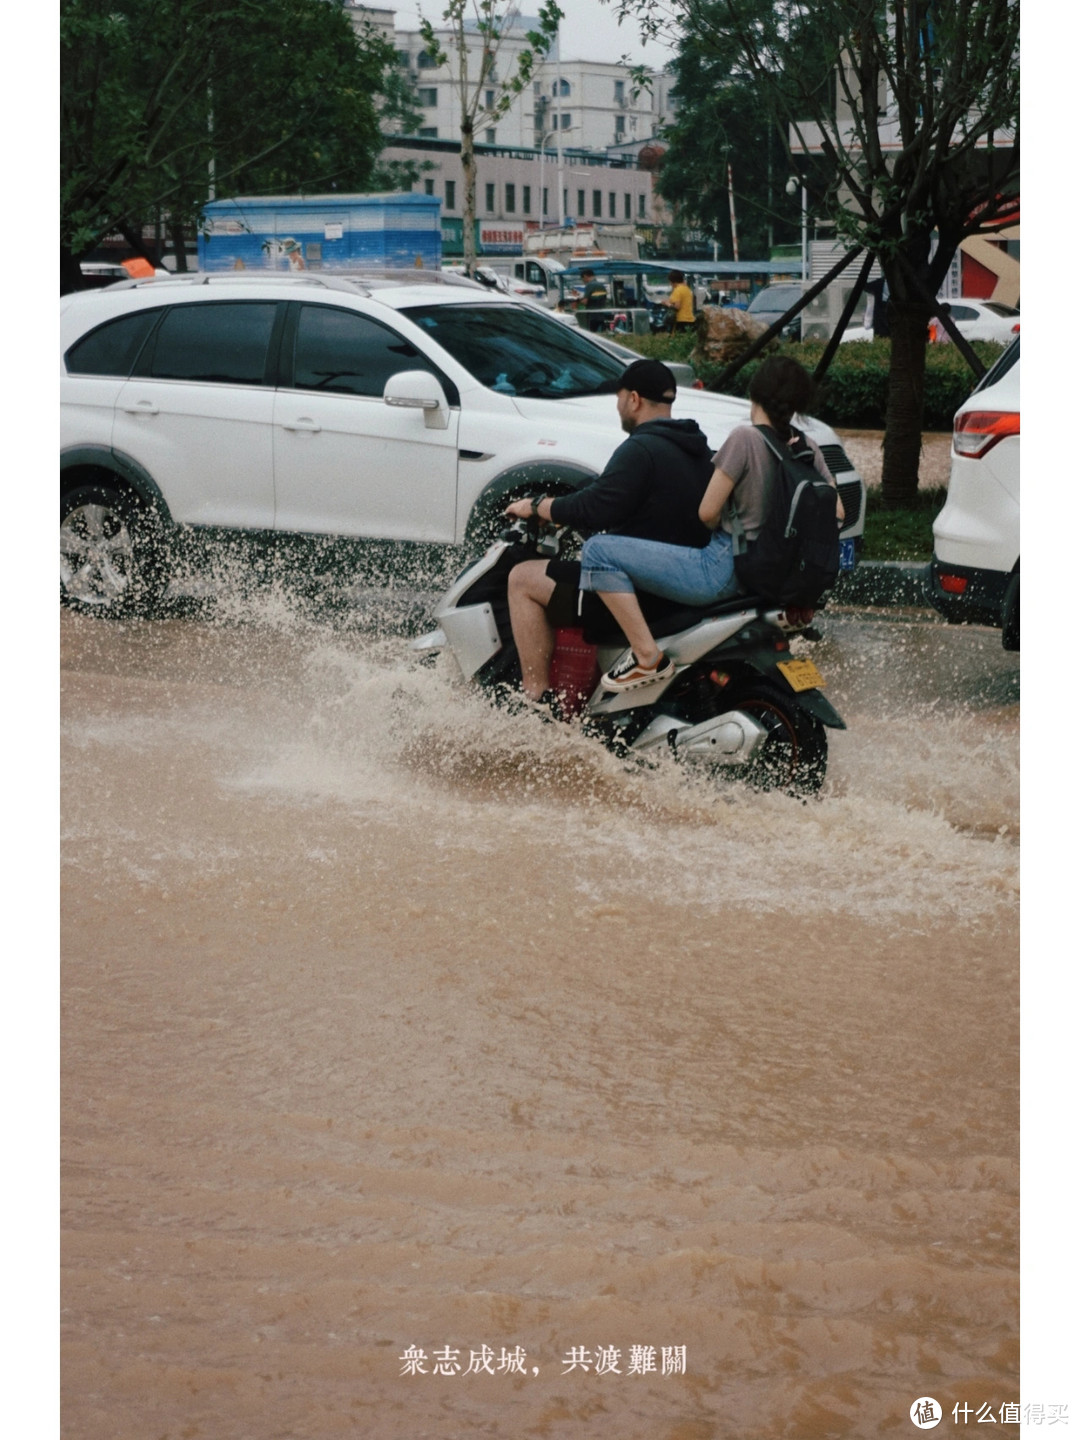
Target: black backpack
point(796, 556)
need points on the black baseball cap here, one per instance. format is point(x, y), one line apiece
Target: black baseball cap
point(651, 380)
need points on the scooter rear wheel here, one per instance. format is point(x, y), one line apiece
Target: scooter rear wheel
point(794, 755)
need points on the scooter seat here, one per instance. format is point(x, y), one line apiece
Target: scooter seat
point(665, 617)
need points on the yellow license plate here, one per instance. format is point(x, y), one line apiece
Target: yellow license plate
point(801, 674)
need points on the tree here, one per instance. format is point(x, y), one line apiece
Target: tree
point(720, 121)
point(162, 100)
point(914, 108)
point(491, 23)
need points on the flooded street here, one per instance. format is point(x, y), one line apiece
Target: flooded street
point(395, 1024)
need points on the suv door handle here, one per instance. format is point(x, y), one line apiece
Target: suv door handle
point(141, 407)
point(304, 423)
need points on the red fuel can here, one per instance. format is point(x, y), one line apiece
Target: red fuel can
point(574, 670)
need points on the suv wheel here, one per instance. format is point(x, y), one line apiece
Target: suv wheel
point(113, 556)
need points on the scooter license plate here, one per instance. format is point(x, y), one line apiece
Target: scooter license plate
point(801, 674)
point(847, 554)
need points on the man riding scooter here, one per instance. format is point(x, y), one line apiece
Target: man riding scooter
point(650, 489)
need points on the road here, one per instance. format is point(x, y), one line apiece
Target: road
point(392, 1024)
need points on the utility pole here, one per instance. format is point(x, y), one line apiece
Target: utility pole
point(731, 207)
point(563, 218)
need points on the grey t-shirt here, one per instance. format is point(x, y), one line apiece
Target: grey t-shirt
point(745, 457)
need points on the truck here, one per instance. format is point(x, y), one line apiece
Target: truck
point(571, 243)
point(541, 274)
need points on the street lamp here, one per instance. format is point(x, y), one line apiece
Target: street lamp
point(543, 145)
point(793, 184)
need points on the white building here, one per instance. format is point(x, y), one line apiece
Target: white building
point(361, 15)
point(437, 95)
point(596, 105)
point(589, 110)
point(592, 103)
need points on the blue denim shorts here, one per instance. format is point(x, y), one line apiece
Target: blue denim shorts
point(676, 572)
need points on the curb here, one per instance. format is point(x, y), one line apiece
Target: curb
point(883, 582)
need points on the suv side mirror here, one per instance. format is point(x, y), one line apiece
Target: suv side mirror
point(419, 390)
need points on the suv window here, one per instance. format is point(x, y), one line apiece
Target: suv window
point(776, 297)
point(340, 351)
point(519, 350)
point(111, 348)
point(224, 342)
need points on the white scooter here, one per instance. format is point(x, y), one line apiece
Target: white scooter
point(739, 701)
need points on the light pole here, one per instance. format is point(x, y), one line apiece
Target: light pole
point(795, 183)
point(543, 146)
point(558, 123)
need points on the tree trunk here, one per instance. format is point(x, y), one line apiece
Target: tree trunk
point(176, 230)
point(468, 219)
point(70, 273)
point(908, 323)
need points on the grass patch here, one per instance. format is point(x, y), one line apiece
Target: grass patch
point(901, 534)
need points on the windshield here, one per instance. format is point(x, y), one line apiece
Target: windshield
point(776, 297)
point(518, 350)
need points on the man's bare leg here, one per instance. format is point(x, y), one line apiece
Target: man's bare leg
point(624, 605)
point(530, 588)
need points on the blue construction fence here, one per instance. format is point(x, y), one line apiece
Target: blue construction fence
point(321, 232)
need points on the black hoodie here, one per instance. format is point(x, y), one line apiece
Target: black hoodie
point(651, 487)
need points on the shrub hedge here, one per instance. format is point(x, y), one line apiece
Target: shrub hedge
point(853, 393)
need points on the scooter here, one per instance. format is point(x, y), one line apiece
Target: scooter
point(739, 701)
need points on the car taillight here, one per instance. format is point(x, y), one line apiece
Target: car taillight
point(1016, 328)
point(977, 431)
point(953, 584)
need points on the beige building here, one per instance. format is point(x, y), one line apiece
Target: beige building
point(517, 187)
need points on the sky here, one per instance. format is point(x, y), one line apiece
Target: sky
point(589, 31)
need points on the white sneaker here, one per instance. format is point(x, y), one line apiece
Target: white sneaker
point(631, 673)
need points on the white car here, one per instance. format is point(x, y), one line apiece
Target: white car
point(985, 320)
point(975, 319)
point(401, 408)
point(975, 572)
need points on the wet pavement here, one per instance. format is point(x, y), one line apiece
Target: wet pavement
point(642, 1108)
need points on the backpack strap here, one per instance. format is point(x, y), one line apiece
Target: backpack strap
point(739, 542)
point(770, 437)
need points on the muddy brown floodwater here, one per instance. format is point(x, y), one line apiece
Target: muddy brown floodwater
point(644, 1110)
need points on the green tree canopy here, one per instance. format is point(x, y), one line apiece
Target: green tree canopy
point(911, 112)
point(162, 100)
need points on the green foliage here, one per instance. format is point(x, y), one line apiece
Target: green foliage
point(726, 117)
point(855, 388)
point(661, 347)
point(277, 94)
point(901, 534)
point(935, 79)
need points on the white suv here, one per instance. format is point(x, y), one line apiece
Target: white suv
point(975, 572)
point(401, 408)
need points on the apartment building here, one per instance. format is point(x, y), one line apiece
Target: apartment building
point(589, 111)
point(592, 104)
point(517, 187)
point(584, 104)
point(438, 100)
